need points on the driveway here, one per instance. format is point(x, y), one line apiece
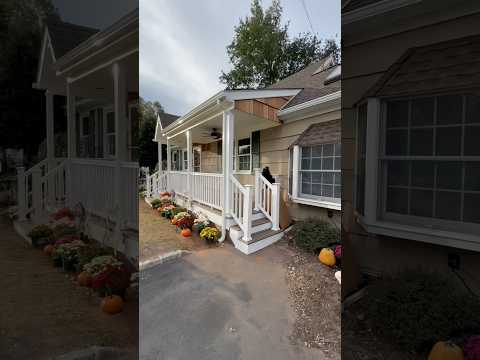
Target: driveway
point(219, 304)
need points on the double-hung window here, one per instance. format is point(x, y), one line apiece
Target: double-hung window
point(244, 155)
point(320, 172)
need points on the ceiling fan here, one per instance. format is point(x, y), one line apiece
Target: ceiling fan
point(212, 132)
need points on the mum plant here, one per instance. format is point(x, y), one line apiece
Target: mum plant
point(40, 234)
point(210, 234)
point(101, 263)
point(156, 203)
point(68, 254)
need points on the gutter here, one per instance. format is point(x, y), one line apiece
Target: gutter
point(317, 101)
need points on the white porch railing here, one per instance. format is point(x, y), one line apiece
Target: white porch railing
point(178, 181)
point(208, 189)
point(155, 184)
point(241, 207)
point(267, 199)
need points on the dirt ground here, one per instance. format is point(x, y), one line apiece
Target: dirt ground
point(45, 314)
point(158, 237)
point(315, 296)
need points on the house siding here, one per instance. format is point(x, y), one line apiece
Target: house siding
point(381, 255)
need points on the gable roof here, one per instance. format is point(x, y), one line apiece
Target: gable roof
point(66, 36)
point(166, 119)
point(318, 79)
point(444, 66)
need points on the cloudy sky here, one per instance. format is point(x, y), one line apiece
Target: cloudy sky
point(183, 43)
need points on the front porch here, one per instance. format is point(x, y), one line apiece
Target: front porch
point(212, 165)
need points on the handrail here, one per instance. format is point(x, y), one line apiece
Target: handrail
point(267, 199)
point(241, 207)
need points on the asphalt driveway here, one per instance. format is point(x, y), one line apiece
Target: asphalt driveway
point(219, 304)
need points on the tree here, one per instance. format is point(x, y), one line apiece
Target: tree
point(147, 149)
point(262, 52)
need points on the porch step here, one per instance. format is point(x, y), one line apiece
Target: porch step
point(255, 224)
point(259, 241)
point(262, 235)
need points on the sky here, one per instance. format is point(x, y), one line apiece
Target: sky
point(183, 44)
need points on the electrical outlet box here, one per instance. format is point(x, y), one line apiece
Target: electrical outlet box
point(454, 261)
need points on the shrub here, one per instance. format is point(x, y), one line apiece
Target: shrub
point(185, 222)
point(156, 203)
point(39, 232)
point(417, 309)
point(210, 234)
point(62, 230)
point(177, 210)
point(313, 235)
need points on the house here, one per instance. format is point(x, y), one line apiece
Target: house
point(411, 124)
point(96, 73)
point(217, 151)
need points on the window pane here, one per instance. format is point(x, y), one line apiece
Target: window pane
point(447, 205)
point(472, 176)
point(244, 142)
point(338, 149)
point(317, 151)
point(110, 122)
point(473, 109)
point(338, 163)
point(397, 200)
point(306, 188)
point(317, 189)
point(398, 173)
point(397, 141)
point(305, 164)
point(316, 163)
point(472, 137)
point(423, 173)
point(337, 192)
point(338, 179)
point(327, 178)
point(327, 190)
point(449, 109)
point(449, 175)
point(328, 150)
point(306, 176)
point(327, 163)
point(470, 209)
point(316, 177)
point(449, 140)
point(422, 112)
point(244, 162)
point(421, 203)
point(397, 113)
point(306, 152)
point(421, 142)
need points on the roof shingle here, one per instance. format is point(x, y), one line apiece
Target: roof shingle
point(66, 36)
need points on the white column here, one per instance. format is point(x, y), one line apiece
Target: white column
point(373, 123)
point(37, 192)
point(295, 170)
point(21, 193)
point(71, 122)
point(50, 129)
point(160, 155)
point(120, 108)
point(189, 165)
point(275, 206)
point(227, 143)
point(247, 213)
point(169, 165)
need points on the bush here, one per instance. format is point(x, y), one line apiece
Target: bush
point(40, 232)
point(177, 210)
point(156, 203)
point(417, 309)
point(313, 235)
point(63, 230)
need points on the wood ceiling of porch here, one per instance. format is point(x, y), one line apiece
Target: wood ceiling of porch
point(262, 107)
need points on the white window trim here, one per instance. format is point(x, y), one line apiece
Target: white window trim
point(236, 163)
point(106, 154)
point(296, 194)
point(371, 221)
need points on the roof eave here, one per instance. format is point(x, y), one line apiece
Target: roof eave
point(309, 105)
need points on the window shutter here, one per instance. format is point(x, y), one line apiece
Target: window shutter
point(255, 146)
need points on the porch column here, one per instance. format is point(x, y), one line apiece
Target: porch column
point(160, 155)
point(50, 145)
point(169, 165)
point(295, 170)
point(189, 166)
point(227, 151)
point(71, 122)
point(120, 108)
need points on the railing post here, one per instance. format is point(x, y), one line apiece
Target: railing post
point(21, 193)
point(147, 183)
point(37, 191)
point(257, 188)
point(276, 206)
point(247, 213)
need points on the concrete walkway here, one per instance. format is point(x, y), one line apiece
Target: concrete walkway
point(219, 304)
point(43, 314)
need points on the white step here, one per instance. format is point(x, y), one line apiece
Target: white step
point(259, 225)
point(259, 241)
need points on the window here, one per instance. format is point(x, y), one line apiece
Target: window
point(196, 160)
point(185, 160)
point(110, 134)
point(431, 160)
point(244, 155)
point(320, 172)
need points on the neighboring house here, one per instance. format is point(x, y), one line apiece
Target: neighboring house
point(411, 126)
point(97, 72)
point(216, 154)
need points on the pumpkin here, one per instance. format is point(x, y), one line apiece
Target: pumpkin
point(445, 350)
point(48, 249)
point(84, 279)
point(174, 221)
point(186, 232)
point(112, 304)
point(327, 257)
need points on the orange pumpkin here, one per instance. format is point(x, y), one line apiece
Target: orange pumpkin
point(186, 232)
point(327, 257)
point(112, 304)
point(174, 221)
point(84, 279)
point(48, 249)
point(445, 350)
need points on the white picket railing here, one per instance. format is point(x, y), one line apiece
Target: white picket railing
point(178, 181)
point(208, 189)
point(267, 199)
point(155, 184)
point(241, 207)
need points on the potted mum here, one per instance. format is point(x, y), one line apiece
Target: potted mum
point(210, 234)
point(41, 235)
